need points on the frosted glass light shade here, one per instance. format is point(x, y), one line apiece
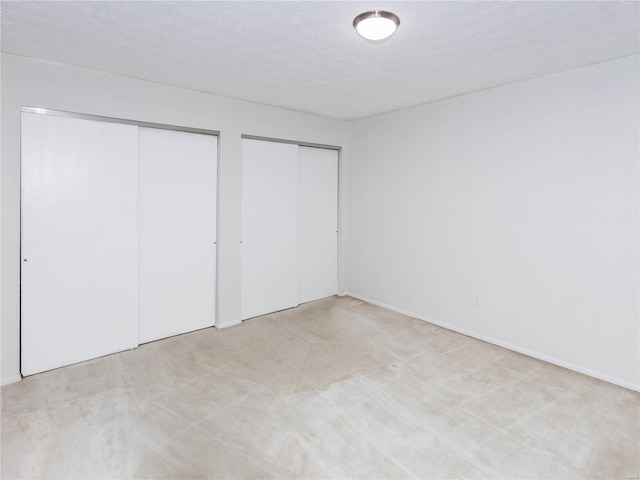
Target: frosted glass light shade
point(376, 25)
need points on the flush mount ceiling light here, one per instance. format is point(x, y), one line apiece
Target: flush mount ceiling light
point(376, 25)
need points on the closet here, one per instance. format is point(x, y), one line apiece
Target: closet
point(117, 236)
point(289, 225)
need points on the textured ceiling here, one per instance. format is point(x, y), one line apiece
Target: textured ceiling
point(306, 56)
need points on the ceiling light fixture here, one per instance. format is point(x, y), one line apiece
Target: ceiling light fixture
point(376, 25)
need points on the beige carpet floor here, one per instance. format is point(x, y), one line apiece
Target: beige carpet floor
point(333, 389)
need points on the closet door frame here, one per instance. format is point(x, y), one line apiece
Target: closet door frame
point(102, 118)
point(339, 169)
point(116, 120)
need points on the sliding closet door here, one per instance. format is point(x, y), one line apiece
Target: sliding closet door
point(178, 179)
point(269, 227)
point(79, 227)
point(317, 223)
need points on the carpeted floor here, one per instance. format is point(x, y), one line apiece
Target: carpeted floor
point(333, 389)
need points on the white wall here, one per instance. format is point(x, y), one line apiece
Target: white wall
point(526, 194)
point(41, 84)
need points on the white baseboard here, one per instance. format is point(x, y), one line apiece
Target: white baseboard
point(232, 323)
point(525, 351)
point(8, 380)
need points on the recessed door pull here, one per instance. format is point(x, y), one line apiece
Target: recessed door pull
point(24, 259)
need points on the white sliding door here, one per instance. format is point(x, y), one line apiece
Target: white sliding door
point(317, 223)
point(269, 227)
point(79, 285)
point(178, 182)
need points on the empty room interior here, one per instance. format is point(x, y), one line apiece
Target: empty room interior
point(320, 239)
